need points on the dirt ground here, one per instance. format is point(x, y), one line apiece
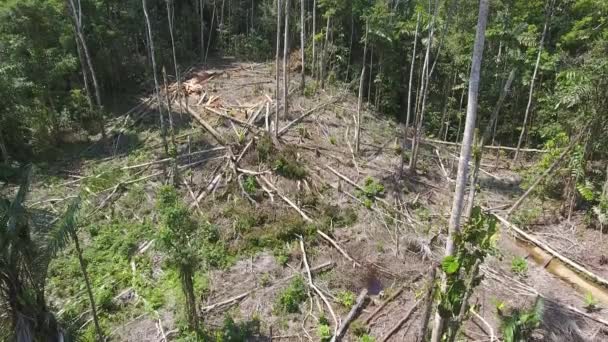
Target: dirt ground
point(388, 253)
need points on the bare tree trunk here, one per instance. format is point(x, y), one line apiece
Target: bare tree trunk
point(85, 77)
point(285, 62)
point(323, 52)
point(428, 305)
point(211, 31)
point(173, 151)
point(163, 132)
point(303, 43)
point(87, 282)
point(532, 82)
point(465, 152)
point(201, 4)
point(3, 149)
point(170, 13)
point(187, 280)
point(314, 42)
point(409, 92)
point(477, 154)
point(350, 49)
point(277, 67)
point(77, 18)
point(360, 100)
point(424, 85)
point(371, 74)
point(444, 123)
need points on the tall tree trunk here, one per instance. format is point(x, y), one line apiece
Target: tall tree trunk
point(424, 86)
point(314, 41)
point(371, 74)
point(85, 275)
point(163, 132)
point(465, 152)
point(360, 99)
point(277, 67)
point(350, 48)
point(201, 4)
point(85, 77)
point(444, 123)
point(409, 94)
point(170, 13)
point(77, 18)
point(477, 154)
point(173, 151)
point(187, 280)
point(323, 52)
point(533, 81)
point(286, 61)
point(3, 150)
point(303, 43)
point(210, 32)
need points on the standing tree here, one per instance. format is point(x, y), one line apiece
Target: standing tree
point(533, 80)
point(68, 230)
point(277, 68)
point(177, 237)
point(302, 43)
point(163, 132)
point(360, 99)
point(313, 33)
point(409, 92)
point(201, 6)
point(465, 152)
point(76, 12)
point(285, 63)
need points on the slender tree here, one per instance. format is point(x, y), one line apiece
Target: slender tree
point(170, 14)
point(424, 86)
point(76, 12)
point(173, 150)
point(277, 68)
point(201, 5)
point(323, 52)
point(533, 80)
point(302, 42)
point(285, 62)
point(466, 147)
point(360, 99)
point(409, 93)
point(314, 41)
point(68, 230)
point(163, 132)
point(210, 31)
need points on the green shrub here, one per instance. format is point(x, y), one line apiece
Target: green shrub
point(518, 325)
point(358, 328)
point(346, 298)
point(519, 266)
point(288, 166)
point(264, 147)
point(289, 299)
point(367, 338)
point(324, 332)
point(371, 189)
point(251, 185)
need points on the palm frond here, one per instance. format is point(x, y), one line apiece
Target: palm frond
point(16, 210)
point(65, 228)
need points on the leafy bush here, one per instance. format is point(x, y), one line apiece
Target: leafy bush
point(288, 166)
point(289, 299)
point(519, 266)
point(251, 185)
point(264, 147)
point(346, 298)
point(518, 325)
point(367, 338)
point(371, 189)
point(324, 332)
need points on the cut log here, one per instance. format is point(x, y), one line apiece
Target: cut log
point(361, 299)
point(216, 135)
point(303, 116)
point(401, 322)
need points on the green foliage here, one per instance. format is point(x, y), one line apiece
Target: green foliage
point(346, 298)
point(264, 147)
point(288, 165)
point(289, 300)
point(519, 266)
point(518, 325)
point(324, 332)
point(475, 241)
point(366, 338)
point(371, 189)
point(251, 185)
point(590, 302)
point(358, 328)
point(233, 331)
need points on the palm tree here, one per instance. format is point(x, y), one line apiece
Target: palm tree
point(67, 230)
point(24, 260)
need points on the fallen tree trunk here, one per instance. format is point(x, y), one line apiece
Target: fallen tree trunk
point(401, 322)
point(303, 116)
point(361, 299)
point(216, 135)
point(525, 236)
point(506, 148)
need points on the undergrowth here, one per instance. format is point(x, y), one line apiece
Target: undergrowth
point(289, 300)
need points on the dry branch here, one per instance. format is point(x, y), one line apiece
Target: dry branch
point(388, 300)
point(216, 135)
point(401, 322)
point(287, 200)
point(316, 289)
point(303, 116)
point(335, 244)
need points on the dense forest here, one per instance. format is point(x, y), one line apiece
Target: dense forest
point(323, 170)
